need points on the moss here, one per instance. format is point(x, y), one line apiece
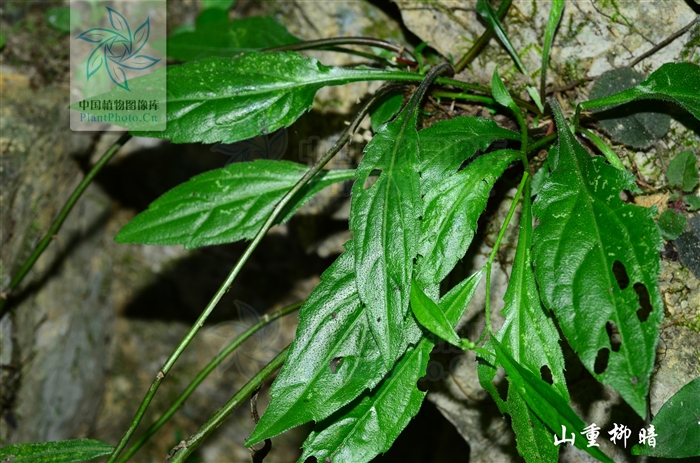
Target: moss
point(572, 31)
point(691, 50)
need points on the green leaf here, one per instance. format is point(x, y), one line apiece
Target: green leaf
point(228, 100)
point(671, 224)
point(692, 201)
point(387, 108)
point(60, 19)
point(676, 82)
point(211, 16)
point(3, 39)
point(555, 13)
point(333, 358)
point(491, 18)
point(604, 148)
point(586, 235)
point(224, 205)
point(371, 424)
point(230, 39)
point(384, 218)
point(66, 451)
point(445, 145)
point(431, 316)
point(688, 245)
point(451, 211)
point(683, 172)
point(500, 93)
point(220, 4)
point(545, 402)
point(677, 426)
point(542, 175)
point(532, 340)
point(629, 124)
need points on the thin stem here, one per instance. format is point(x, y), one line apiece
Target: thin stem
point(330, 42)
point(266, 319)
point(665, 42)
point(481, 41)
point(220, 416)
point(226, 286)
point(50, 235)
point(479, 88)
point(489, 263)
point(465, 96)
point(541, 142)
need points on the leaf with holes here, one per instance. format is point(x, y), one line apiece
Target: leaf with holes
point(333, 358)
point(677, 426)
point(676, 82)
point(446, 145)
point(531, 339)
point(66, 451)
point(544, 400)
point(228, 100)
point(452, 209)
point(227, 40)
point(371, 424)
point(585, 237)
point(224, 205)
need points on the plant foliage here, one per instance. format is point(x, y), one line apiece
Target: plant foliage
point(366, 332)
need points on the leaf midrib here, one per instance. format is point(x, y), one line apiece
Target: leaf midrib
point(589, 205)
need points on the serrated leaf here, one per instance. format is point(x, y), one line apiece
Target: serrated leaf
point(677, 426)
point(228, 100)
point(671, 224)
point(533, 438)
point(445, 145)
point(683, 172)
point(532, 340)
point(545, 401)
point(451, 211)
point(676, 82)
point(385, 224)
point(628, 124)
point(387, 108)
point(585, 235)
point(333, 359)
point(371, 424)
point(491, 18)
point(224, 205)
point(66, 451)
point(229, 39)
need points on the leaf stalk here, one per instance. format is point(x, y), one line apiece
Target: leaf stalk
point(225, 352)
point(220, 416)
point(62, 215)
point(226, 285)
